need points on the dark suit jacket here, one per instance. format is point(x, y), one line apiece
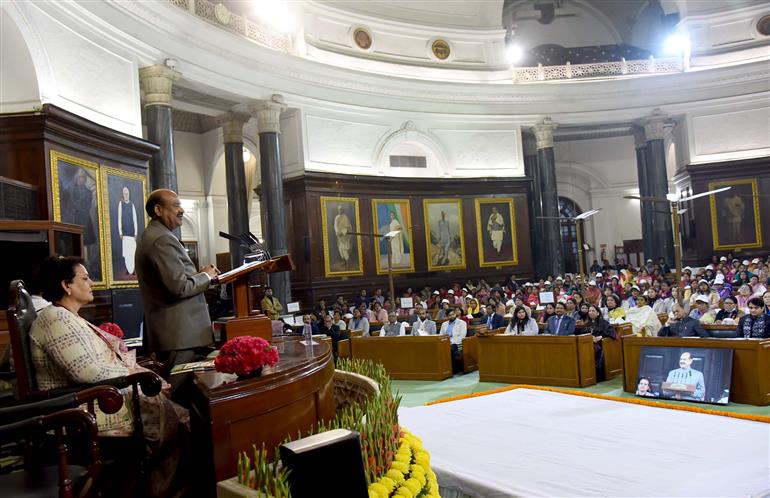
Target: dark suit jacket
point(567, 326)
point(688, 327)
point(175, 311)
point(497, 321)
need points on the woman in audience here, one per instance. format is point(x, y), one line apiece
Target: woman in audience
point(338, 321)
point(766, 300)
point(582, 314)
point(548, 312)
point(599, 328)
point(521, 323)
point(474, 307)
point(359, 322)
point(365, 312)
point(519, 301)
point(67, 350)
point(643, 388)
point(380, 314)
point(757, 287)
point(754, 325)
point(531, 298)
point(615, 312)
point(744, 294)
point(644, 321)
point(443, 313)
point(729, 312)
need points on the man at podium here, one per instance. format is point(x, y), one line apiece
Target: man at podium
point(686, 377)
point(175, 311)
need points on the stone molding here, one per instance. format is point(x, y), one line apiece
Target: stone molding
point(157, 82)
point(232, 126)
point(268, 114)
point(655, 125)
point(544, 133)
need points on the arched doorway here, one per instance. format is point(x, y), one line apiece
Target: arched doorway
point(569, 235)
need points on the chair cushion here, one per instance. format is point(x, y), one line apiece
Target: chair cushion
point(40, 482)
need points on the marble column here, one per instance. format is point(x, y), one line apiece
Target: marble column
point(235, 178)
point(657, 180)
point(157, 82)
point(268, 115)
point(645, 207)
point(553, 253)
point(535, 200)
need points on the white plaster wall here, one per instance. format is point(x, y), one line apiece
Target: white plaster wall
point(79, 67)
point(18, 81)
point(733, 133)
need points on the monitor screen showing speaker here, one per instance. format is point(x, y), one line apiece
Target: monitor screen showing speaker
point(688, 374)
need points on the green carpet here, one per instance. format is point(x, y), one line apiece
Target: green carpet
point(419, 392)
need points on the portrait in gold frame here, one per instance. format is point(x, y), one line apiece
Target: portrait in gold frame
point(444, 234)
point(389, 215)
point(76, 199)
point(735, 221)
point(496, 231)
point(124, 194)
point(342, 252)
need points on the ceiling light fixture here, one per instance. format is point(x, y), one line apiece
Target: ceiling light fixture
point(677, 44)
point(514, 53)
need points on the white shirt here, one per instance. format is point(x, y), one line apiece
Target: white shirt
point(459, 331)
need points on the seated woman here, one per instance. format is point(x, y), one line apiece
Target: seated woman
point(599, 328)
point(615, 312)
point(729, 312)
point(582, 314)
point(757, 288)
point(521, 323)
point(644, 321)
point(766, 300)
point(67, 350)
point(755, 324)
point(548, 312)
point(359, 322)
point(643, 388)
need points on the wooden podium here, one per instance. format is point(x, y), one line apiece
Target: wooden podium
point(244, 322)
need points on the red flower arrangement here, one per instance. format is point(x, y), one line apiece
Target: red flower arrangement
point(112, 329)
point(244, 354)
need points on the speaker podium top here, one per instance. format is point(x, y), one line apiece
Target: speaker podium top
point(279, 263)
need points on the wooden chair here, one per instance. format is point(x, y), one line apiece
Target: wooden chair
point(31, 423)
point(21, 314)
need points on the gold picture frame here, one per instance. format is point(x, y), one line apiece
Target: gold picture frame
point(444, 237)
point(76, 198)
point(728, 212)
point(120, 240)
point(496, 247)
point(402, 246)
point(339, 210)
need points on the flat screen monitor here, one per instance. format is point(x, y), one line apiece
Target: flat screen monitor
point(683, 373)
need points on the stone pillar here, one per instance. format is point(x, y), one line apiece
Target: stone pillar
point(235, 177)
point(645, 207)
point(553, 254)
point(535, 201)
point(157, 82)
point(657, 180)
point(268, 115)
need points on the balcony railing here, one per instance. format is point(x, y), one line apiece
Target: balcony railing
point(597, 70)
point(221, 16)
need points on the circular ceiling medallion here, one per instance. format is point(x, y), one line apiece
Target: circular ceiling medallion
point(763, 25)
point(440, 49)
point(362, 38)
point(222, 14)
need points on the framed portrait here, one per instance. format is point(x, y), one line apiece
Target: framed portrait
point(444, 233)
point(342, 251)
point(191, 246)
point(735, 222)
point(391, 215)
point(76, 194)
point(124, 194)
point(496, 230)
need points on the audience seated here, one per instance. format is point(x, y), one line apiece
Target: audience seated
point(392, 327)
point(359, 323)
point(423, 325)
point(644, 321)
point(682, 325)
point(703, 312)
point(729, 312)
point(599, 328)
point(561, 323)
point(521, 323)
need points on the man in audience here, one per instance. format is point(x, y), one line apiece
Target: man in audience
point(270, 305)
point(362, 298)
point(308, 320)
point(332, 331)
point(687, 375)
point(682, 325)
point(378, 296)
point(423, 325)
point(456, 330)
point(561, 324)
point(393, 328)
point(492, 319)
point(756, 324)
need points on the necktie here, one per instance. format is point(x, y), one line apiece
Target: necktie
point(558, 324)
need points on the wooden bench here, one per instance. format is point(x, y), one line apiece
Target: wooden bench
point(405, 357)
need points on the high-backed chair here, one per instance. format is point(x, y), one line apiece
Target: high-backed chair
point(30, 423)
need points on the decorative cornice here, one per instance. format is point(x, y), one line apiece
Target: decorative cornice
point(268, 114)
point(544, 133)
point(232, 126)
point(655, 125)
point(157, 82)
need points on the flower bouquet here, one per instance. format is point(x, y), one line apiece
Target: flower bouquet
point(245, 356)
point(112, 329)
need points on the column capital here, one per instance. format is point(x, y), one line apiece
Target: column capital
point(544, 133)
point(640, 139)
point(268, 114)
point(654, 125)
point(157, 82)
point(232, 126)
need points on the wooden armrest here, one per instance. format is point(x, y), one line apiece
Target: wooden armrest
point(72, 417)
point(108, 398)
point(155, 366)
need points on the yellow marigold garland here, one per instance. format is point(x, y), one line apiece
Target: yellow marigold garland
point(636, 401)
point(409, 475)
